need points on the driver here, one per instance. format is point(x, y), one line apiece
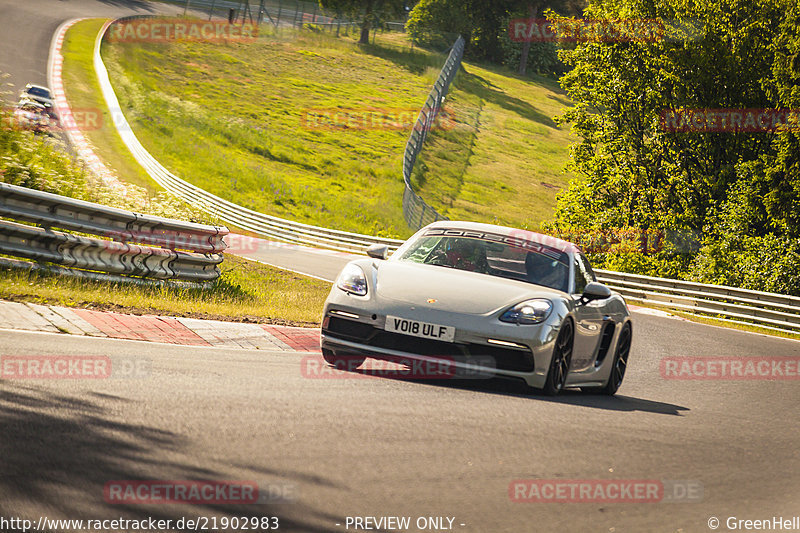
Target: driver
point(467, 254)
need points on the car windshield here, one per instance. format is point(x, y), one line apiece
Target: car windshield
point(38, 91)
point(488, 254)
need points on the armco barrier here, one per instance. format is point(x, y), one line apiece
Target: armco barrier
point(229, 212)
point(731, 304)
point(184, 251)
point(415, 210)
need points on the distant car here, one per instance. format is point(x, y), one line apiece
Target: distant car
point(41, 94)
point(516, 303)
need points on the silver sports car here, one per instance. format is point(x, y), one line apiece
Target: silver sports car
point(514, 303)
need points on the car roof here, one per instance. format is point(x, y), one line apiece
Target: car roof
point(32, 85)
point(539, 238)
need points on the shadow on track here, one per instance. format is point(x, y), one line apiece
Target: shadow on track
point(59, 451)
point(511, 387)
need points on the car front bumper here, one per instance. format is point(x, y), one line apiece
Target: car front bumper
point(510, 350)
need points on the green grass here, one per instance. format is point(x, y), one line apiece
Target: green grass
point(230, 118)
point(83, 94)
point(246, 291)
point(503, 162)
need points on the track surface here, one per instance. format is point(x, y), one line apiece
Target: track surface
point(375, 446)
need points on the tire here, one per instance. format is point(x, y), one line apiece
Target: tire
point(342, 362)
point(561, 360)
point(620, 362)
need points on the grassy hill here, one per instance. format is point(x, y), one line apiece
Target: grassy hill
point(242, 121)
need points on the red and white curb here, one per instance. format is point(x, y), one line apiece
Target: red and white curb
point(67, 121)
point(152, 328)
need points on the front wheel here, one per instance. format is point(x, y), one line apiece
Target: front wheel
point(342, 362)
point(559, 364)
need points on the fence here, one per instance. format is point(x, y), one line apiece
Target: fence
point(730, 304)
point(278, 13)
point(181, 250)
point(415, 210)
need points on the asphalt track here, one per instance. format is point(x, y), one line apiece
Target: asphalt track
point(350, 445)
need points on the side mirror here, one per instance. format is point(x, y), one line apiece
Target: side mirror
point(378, 251)
point(595, 291)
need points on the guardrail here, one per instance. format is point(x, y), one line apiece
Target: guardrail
point(242, 217)
point(183, 250)
point(415, 210)
point(730, 304)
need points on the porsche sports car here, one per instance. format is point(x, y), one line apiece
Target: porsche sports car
point(515, 303)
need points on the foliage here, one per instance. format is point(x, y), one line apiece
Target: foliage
point(484, 25)
point(42, 163)
point(369, 11)
point(740, 190)
point(437, 23)
point(542, 57)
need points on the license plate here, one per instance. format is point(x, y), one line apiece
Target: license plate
point(420, 329)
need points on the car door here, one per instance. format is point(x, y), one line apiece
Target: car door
point(589, 317)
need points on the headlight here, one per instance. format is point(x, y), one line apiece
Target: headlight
point(528, 312)
point(352, 280)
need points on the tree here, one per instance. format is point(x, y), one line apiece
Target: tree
point(637, 173)
point(740, 190)
point(483, 24)
point(753, 240)
point(436, 22)
point(369, 11)
point(534, 9)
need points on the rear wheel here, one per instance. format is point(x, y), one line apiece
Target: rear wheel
point(559, 364)
point(342, 361)
point(620, 361)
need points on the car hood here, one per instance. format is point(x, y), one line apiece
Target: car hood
point(452, 290)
